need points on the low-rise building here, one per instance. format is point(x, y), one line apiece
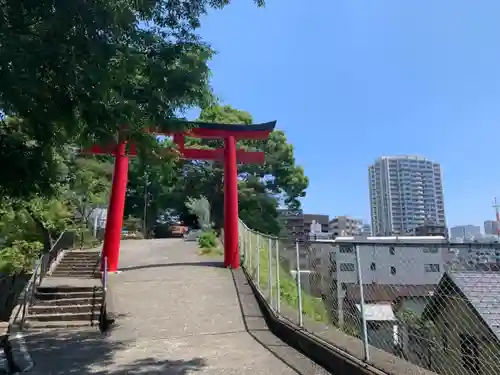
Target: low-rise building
point(344, 226)
point(465, 317)
point(383, 305)
point(383, 261)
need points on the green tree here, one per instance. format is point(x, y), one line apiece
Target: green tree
point(261, 187)
point(89, 186)
point(152, 179)
point(84, 68)
point(200, 207)
point(81, 70)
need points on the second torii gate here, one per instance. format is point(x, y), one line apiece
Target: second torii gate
point(229, 154)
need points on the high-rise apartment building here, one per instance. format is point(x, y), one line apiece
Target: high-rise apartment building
point(405, 192)
point(465, 231)
point(491, 227)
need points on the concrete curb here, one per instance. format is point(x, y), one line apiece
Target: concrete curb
point(333, 359)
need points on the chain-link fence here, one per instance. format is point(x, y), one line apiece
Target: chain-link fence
point(422, 303)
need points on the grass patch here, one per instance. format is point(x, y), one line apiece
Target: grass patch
point(214, 251)
point(207, 241)
point(312, 307)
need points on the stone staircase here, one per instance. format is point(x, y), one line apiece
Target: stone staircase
point(78, 264)
point(71, 295)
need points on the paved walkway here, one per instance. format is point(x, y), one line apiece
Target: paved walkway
point(180, 314)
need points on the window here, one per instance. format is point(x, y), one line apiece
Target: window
point(393, 270)
point(346, 249)
point(430, 249)
point(374, 325)
point(347, 267)
point(431, 267)
point(373, 266)
point(392, 250)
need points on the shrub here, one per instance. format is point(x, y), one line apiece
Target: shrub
point(20, 257)
point(207, 240)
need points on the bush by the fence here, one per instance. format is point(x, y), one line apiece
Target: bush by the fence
point(207, 240)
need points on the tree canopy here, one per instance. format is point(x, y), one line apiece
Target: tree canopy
point(262, 188)
point(78, 71)
point(75, 73)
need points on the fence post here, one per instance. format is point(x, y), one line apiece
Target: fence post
point(258, 262)
point(299, 287)
point(278, 286)
point(270, 273)
point(248, 246)
point(245, 250)
point(362, 306)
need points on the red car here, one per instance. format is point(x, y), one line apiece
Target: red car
point(178, 230)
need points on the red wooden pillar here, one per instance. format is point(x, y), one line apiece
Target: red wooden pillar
point(227, 254)
point(231, 252)
point(114, 222)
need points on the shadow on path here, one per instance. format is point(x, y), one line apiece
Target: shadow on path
point(62, 352)
point(256, 326)
point(214, 264)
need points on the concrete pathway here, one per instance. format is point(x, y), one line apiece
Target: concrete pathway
point(180, 314)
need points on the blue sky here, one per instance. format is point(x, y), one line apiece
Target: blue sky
point(349, 81)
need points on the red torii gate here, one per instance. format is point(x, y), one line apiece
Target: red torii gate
point(231, 156)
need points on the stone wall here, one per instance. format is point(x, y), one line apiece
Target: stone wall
point(11, 288)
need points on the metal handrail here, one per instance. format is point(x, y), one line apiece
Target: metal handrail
point(42, 265)
point(105, 280)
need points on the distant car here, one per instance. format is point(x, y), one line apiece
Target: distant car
point(177, 230)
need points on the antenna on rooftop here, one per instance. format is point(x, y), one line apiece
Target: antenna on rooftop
point(496, 206)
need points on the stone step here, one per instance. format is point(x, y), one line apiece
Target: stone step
point(81, 255)
point(77, 265)
point(79, 316)
point(76, 276)
point(84, 270)
point(70, 301)
point(64, 309)
point(37, 325)
point(79, 260)
point(72, 270)
point(66, 296)
point(78, 268)
point(68, 289)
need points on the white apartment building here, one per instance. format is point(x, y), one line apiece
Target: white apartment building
point(385, 260)
point(397, 261)
point(405, 192)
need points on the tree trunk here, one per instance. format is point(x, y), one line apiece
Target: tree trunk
point(47, 237)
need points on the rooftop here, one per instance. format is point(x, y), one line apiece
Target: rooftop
point(482, 289)
point(376, 293)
